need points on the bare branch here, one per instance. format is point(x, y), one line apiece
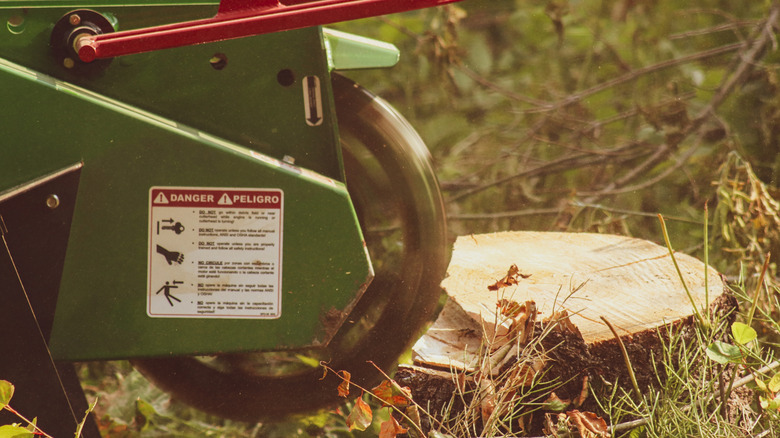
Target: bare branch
point(748, 56)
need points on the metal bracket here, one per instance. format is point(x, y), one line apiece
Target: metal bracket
point(34, 225)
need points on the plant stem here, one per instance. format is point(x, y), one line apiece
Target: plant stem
point(625, 357)
point(38, 430)
point(758, 289)
point(676, 267)
point(706, 263)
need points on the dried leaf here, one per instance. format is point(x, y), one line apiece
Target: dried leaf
point(488, 402)
point(511, 278)
point(391, 428)
point(393, 394)
point(413, 415)
point(509, 308)
point(583, 393)
point(344, 385)
point(361, 415)
point(526, 373)
point(563, 322)
point(588, 424)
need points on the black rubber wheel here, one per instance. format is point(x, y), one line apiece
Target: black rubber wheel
point(397, 198)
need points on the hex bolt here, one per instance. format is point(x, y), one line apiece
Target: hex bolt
point(68, 62)
point(53, 201)
point(74, 20)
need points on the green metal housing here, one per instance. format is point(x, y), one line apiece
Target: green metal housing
point(221, 115)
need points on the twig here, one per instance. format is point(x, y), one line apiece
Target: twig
point(499, 89)
point(735, 25)
point(752, 51)
point(582, 204)
point(502, 214)
point(38, 430)
point(635, 74)
point(659, 156)
point(561, 164)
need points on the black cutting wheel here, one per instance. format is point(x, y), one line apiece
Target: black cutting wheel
point(397, 198)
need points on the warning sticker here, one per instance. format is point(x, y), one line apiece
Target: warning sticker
point(214, 252)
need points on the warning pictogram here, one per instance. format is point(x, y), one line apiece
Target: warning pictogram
point(161, 199)
point(225, 200)
point(166, 290)
point(223, 247)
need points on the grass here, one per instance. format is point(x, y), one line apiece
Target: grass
point(709, 382)
point(693, 396)
point(699, 396)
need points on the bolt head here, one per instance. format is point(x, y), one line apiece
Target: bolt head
point(74, 20)
point(53, 201)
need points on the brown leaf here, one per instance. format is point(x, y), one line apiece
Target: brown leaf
point(391, 428)
point(583, 392)
point(588, 424)
point(344, 385)
point(563, 321)
point(361, 415)
point(523, 317)
point(525, 374)
point(509, 308)
point(511, 278)
point(488, 402)
point(393, 394)
point(413, 415)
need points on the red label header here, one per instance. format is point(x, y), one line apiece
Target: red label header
point(216, 198)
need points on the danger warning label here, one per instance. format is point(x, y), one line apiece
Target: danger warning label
point(214, 252)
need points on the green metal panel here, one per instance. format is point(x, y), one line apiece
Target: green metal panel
point(255, 100)
point(126, 150)
point(351, 52)
point(219, 115)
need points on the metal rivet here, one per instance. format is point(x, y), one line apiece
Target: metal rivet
point(218, 61)
point(53, 201)
point(15, 24)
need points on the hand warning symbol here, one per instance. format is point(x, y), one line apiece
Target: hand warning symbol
point(170, 256)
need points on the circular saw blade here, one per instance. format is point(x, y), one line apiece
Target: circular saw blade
point(400, 208)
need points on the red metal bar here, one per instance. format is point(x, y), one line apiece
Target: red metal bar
point(237, 21)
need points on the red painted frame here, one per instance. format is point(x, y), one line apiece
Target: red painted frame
point(237, 19)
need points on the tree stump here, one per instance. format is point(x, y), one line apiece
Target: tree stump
point(507, 289)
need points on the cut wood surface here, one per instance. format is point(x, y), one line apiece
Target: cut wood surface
point(630, 282)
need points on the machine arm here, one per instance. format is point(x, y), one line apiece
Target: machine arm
point(237, 19)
